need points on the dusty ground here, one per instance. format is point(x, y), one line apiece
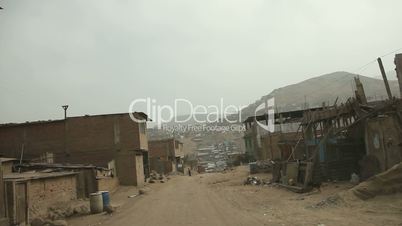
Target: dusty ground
point(221, 199)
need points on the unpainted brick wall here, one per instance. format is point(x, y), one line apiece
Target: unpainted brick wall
point(108, 184)
point(130, 168)
point(87, 139)
point(46, 192)
point(161, 149)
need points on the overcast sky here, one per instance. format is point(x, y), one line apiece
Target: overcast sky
point(98, 56)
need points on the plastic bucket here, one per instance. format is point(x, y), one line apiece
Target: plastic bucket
point(105, 198)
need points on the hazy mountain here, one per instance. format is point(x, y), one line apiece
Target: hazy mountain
point(391, 75)
point(325, 88)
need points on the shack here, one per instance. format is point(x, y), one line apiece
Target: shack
point(383, 141)
point(262, 144)
point(29, 195)
point(330, 142)
point(90, 178)
point(356, 137)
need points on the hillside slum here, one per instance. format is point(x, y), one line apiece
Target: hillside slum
point(354, 140)
point(56, 169)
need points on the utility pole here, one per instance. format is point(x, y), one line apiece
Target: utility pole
point(398, 69)
point(384, 77)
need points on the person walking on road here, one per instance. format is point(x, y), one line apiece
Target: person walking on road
point(189, 171)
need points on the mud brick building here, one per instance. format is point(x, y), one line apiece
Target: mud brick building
point(96, 140)
point(166, 155)
point(30, 195)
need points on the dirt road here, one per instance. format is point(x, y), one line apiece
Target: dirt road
point(181, 201)
point(221, 199)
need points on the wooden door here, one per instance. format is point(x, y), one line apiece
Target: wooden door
point(21, 205)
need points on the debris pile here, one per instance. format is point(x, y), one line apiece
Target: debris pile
point(155, 177)
point(253, 181)
point(57, 214)
point(261, 166)
point(333, 200)
point(265, 164)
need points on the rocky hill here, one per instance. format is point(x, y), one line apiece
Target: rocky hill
point(325, 88)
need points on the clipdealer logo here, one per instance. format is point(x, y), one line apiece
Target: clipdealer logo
point(198, 114)
point(269, 110)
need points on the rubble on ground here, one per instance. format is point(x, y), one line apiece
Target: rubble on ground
point(42, 222)
point(255, 181)
point(265, 164)
point(57, 214)
point(61, 212)
point(333, 200)
point(156, 177)
point(261, 166)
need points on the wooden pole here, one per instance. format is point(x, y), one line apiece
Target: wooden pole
point(398, 64)
point(384, 77)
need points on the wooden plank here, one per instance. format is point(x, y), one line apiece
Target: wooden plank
point(384, 77)
point(2, 201)
point(21, 203)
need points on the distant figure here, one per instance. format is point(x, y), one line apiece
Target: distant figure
point(189, 172)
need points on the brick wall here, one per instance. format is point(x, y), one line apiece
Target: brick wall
point(46, 192)
point(87, 139)
point(130, 168)
point(108, 184)
point(96, 139)
point(162, 166)
point(163, 155)
point(159, 149)
point(93, 140)
point(39, 138)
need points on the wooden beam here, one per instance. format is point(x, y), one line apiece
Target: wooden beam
point(398, 64)
point(384, 77)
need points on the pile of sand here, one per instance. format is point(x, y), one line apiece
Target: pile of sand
point(388, 182)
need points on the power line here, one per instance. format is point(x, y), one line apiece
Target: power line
point(355, 71)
